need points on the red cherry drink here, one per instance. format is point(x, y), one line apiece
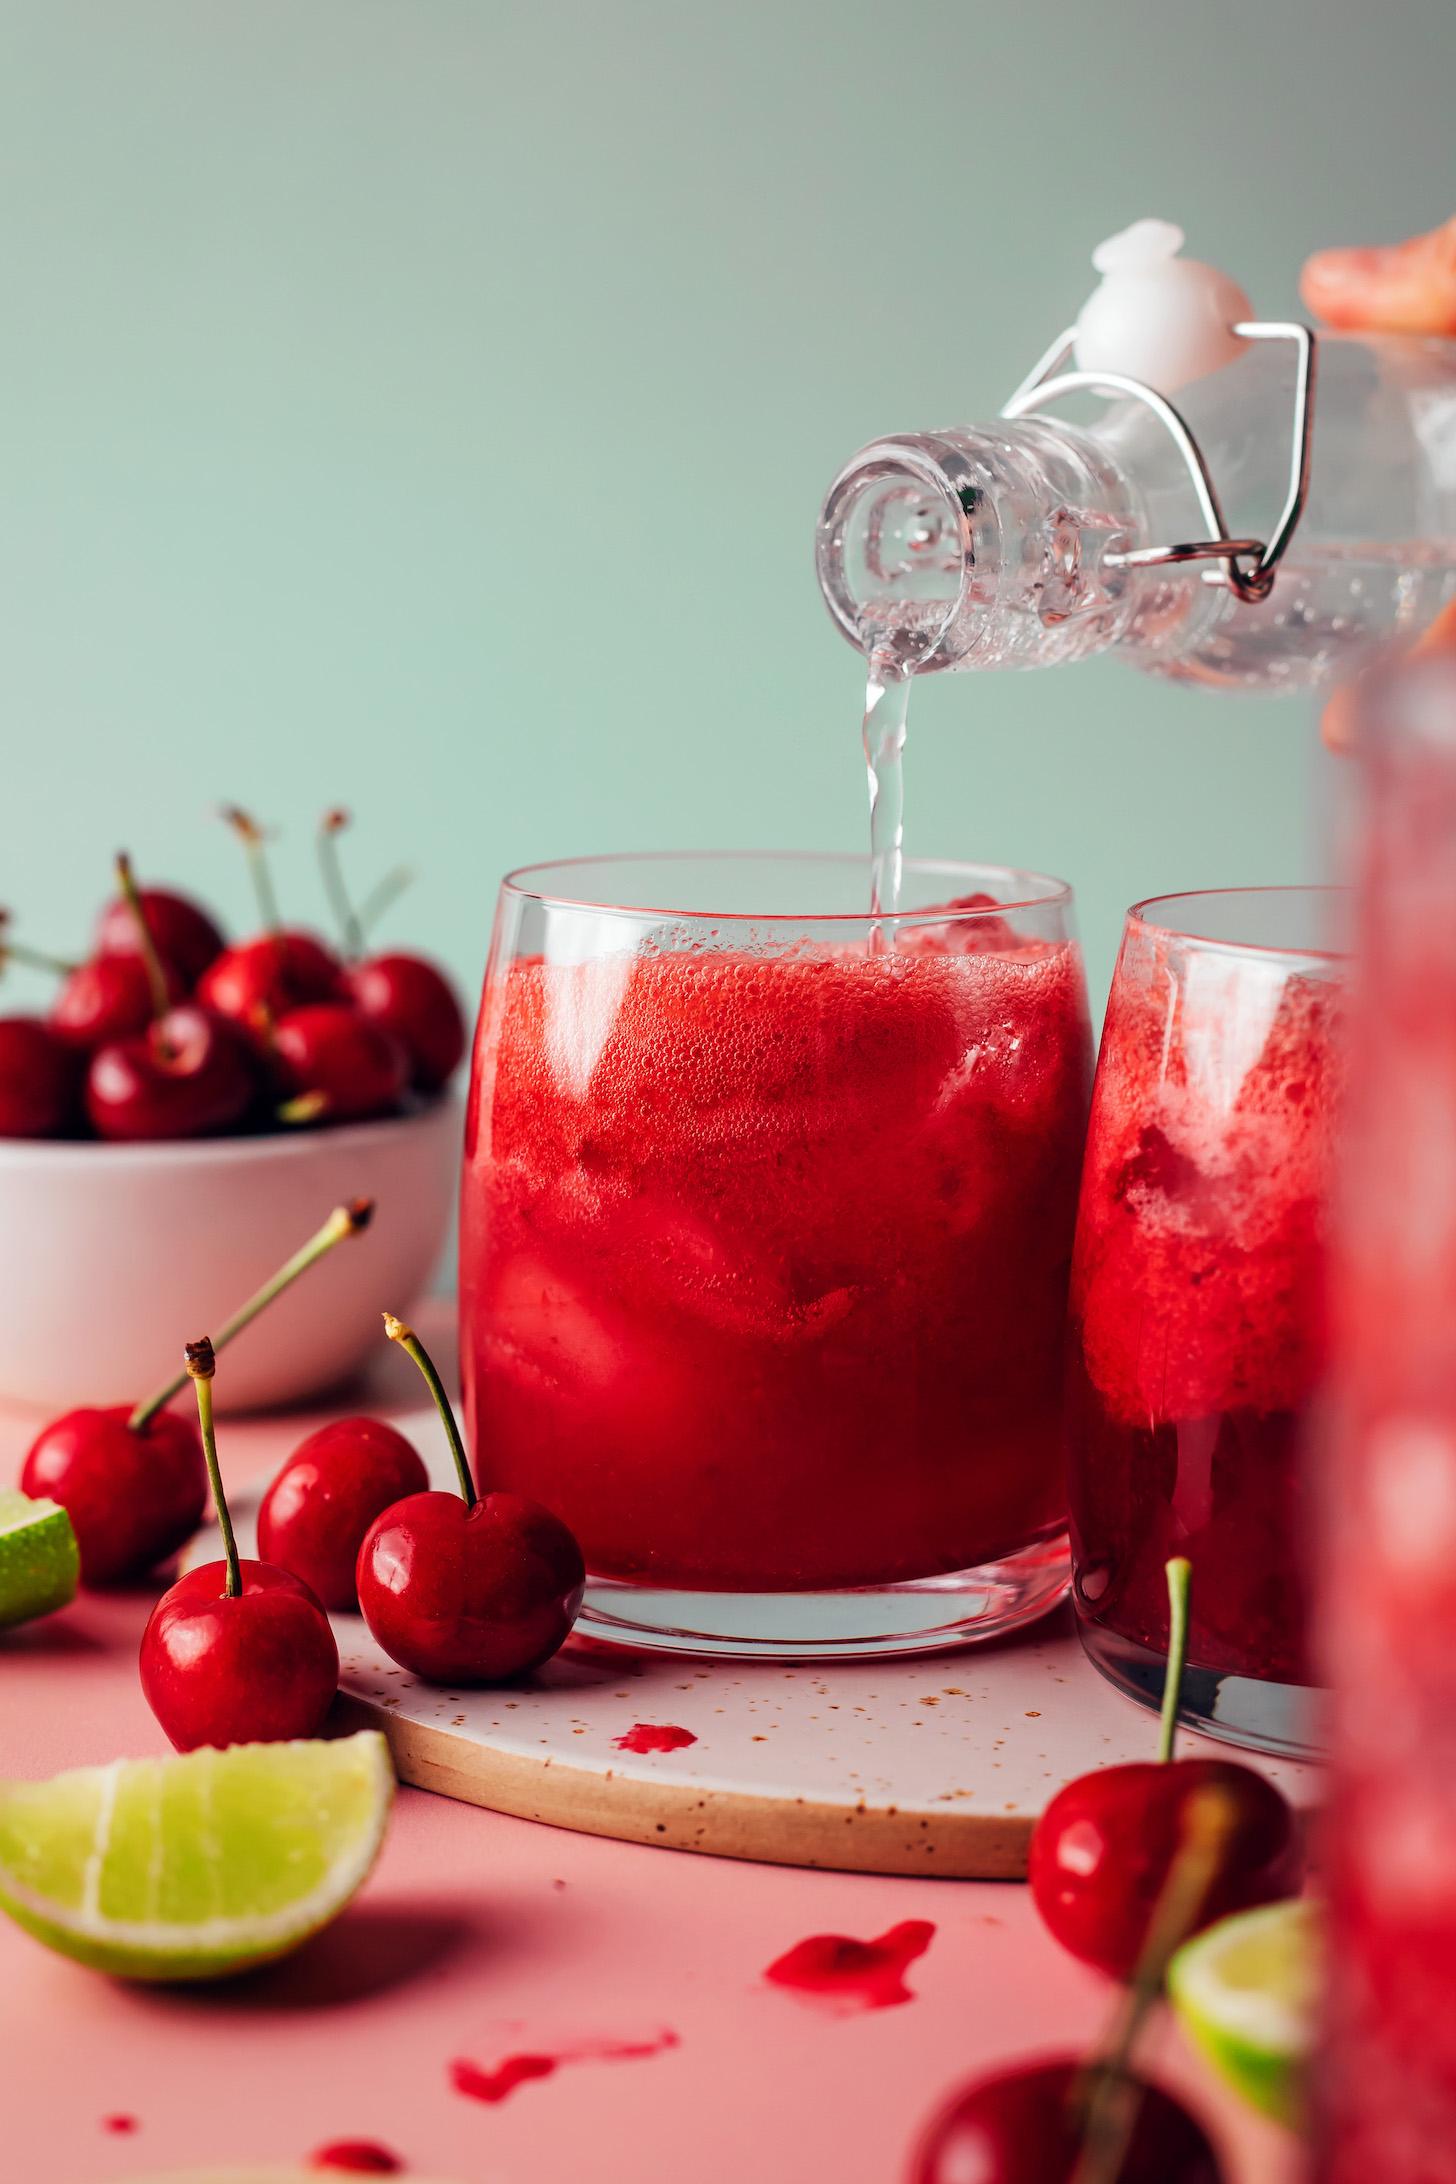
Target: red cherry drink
point(1387, 1591)
point(765, 1255)
point(1197, 1297)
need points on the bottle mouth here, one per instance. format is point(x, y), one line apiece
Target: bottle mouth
point(899, 537)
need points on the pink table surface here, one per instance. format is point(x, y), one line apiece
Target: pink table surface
point(480, 1936)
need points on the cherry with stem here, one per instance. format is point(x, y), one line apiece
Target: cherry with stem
point(1095, 2121)
point(132, 1477)
point(176, 1074)
point(1101, 1851)
point(256, 982)
point(236, 1651)
point(463, 1587)
point(1208, 1824)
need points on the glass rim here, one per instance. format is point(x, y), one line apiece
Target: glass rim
point(1035, 890)
point(1311, 890)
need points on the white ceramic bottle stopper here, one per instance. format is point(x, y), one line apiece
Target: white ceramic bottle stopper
point(1157, 317)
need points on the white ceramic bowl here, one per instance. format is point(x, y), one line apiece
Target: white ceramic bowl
point(114, 1256)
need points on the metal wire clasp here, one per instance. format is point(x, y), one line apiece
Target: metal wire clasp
point(1047, 383)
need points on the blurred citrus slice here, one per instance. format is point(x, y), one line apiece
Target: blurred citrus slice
point(1247, 1991)
point(39, 1563)
point(193, 1867)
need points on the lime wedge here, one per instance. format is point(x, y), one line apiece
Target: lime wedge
point(39, 1564)
point(1247, 1990)
point(193, 1867)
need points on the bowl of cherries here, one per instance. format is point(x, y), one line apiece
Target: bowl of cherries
point(183, 1094)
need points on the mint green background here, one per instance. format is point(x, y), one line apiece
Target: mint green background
point(425, 406)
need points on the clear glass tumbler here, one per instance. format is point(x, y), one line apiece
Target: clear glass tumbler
point(1198, 1301)
point(766, 1228)
point(1387, 1593)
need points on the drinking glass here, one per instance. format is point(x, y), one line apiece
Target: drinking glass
point(1387, 1593)
point(1197, 1301)
point(766, 1227)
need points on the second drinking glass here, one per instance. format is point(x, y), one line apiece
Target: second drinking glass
point(1197, 1300)
point(766, 1227)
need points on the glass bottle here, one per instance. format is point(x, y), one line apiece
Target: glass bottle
point(988, 545)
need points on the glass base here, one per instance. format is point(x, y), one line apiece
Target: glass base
point(1283, 1719)
point(864, 1623)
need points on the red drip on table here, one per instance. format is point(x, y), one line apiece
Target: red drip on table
point(363, 2157)
point(497, 2082)
point(854, 1975)
point(649, 1736)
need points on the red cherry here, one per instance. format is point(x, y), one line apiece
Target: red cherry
point(336, 1482)
point(110, 998)
point(337, 1066)
point(461, 1590)
point(469, 1595)
point(236, 1652)
point(182, 932)
point(1102, 1851)
point(40, 1080)
point(187, 1075)
point(133, 1495)
point(409, 998)
point(1027, 2126)
point(250, 1668)
point(255, 982)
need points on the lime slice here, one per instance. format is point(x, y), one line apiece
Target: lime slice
point(1247, 1991)
point(39, 1564)
point(193, 1867)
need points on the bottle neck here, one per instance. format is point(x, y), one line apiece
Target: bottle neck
point(979, 547)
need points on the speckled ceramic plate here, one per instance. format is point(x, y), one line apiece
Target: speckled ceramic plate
point(938, 1764)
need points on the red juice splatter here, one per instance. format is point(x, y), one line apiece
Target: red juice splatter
point(120, 2124)
point(854, 1975)
point(648, 1736)
point(364, 2157)
point(497, 2082)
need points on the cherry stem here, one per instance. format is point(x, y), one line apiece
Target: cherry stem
point(34, 959)
point(410, 1341)
point(343, 1221)
point(250, 834)
point(1112, 2095)
point(201, 1365)
point(146, 946)
point(1179, 1573)
point(380, 897)
point(331, 826)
